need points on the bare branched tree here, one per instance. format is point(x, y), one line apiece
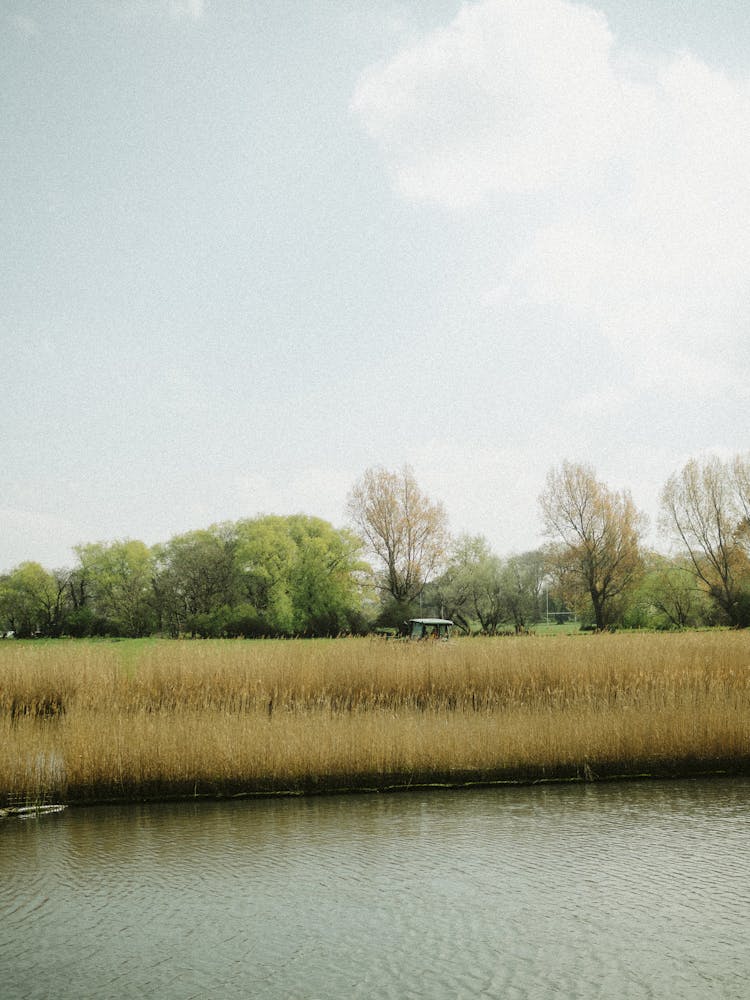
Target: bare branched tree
point(405, 529)
point(706, 508)
point(741, 485)
point(596, 550)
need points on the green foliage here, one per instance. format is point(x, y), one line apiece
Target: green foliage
point(32, 601)
point(119, 577)
point(301, 575)
point(266, 554)
point(196, 576)
point(243, 621)
point(668, 596)
point(480, 587)
point(394, 614)
point(83, 622)
point(521, 579)
point(324, 585)
point(472, 587)
point(268, 576)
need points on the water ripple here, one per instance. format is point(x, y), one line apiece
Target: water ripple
point(601, 891)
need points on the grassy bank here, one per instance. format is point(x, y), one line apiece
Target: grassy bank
point(86, 721)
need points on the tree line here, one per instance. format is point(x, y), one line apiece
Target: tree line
point(300, 576)
point(266, 576)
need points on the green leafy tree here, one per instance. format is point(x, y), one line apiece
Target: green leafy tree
point(197, 579)
point(669, 595)
point(300, 575)
point(120, 577)
point(479, 587)
point(33, 601)
point(265, 556)
point(740, 477)
point(81, 618)
point(326, 584)
point(470, 590)
point(521, 579)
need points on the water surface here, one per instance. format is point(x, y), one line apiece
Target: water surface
point(620, 890)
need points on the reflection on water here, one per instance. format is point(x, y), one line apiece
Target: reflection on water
point(629, 890)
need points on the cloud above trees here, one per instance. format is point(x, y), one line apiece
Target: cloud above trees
point(622, 181)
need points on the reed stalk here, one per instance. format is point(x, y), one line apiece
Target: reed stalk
point(88, 721)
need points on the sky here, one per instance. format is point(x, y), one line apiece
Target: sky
point(251, 249)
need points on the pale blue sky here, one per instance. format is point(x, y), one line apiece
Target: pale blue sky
point(251, 249)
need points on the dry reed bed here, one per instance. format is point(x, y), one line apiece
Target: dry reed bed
point(82, 721)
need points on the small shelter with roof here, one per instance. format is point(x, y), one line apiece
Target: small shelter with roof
point(430, 628)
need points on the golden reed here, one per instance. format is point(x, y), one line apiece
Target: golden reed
point(85, 721)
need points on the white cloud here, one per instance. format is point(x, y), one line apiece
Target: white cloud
point(633, 176)
point(193, 10)
point(510, 97)
point(25, 25)
point(137, 11)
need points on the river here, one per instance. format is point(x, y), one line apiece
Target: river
point(603, 890)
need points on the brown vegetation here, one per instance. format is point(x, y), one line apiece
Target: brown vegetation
point(84, 721)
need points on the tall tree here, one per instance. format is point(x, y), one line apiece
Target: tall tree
point(196, 575)
point(301, 576)
point(706, 508)
point(33, 601)
point(669, 589)
point(741, 487)
point(521, 580)
point(120, 578)
point(325, 581)
point(478, 586)
point(595, 554)
point(404, 529)
point(468, 589)
point(265, 557)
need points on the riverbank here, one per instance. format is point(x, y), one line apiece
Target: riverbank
point(96, 721)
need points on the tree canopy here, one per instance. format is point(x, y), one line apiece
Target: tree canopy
point(264, 576)
point(595, 550)
point(405, 530)
point(706, 507)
